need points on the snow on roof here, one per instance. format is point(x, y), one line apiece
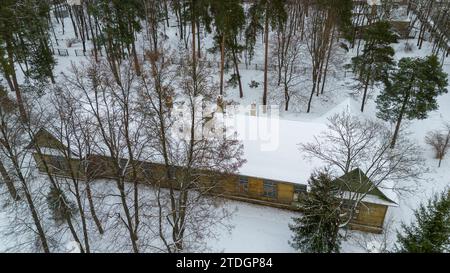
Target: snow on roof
point(74, 2)
point(374, 2)
point(271, 147)
point(377, 200)
point(347, 104)
point(271, 144)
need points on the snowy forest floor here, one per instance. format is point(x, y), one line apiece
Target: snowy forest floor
point(264, 229)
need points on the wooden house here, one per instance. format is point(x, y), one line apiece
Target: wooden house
point(372, 203)
point(369, 215)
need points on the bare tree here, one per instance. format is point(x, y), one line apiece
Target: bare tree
point(68, 163)
point(375, 243)
point(439, 140)
point(319, 33)
point(7, 106)
point(117, 131)
point(288, 52)
point(351, 143)
point(14, 142)
point(192, 165)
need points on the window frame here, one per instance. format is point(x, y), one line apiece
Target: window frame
point(242, 184)
point(347, 206)
point(270, 189)
point(298, 190)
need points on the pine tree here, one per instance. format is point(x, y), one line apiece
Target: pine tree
point(412, 91)
point(430, 232)
point(264, 14)
point(24, 39)
point(341, 12)
point(317, 230)
point(60, 207)
point(119, 22)
point(229, 20)
point(374, 64)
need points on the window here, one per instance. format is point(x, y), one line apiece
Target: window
point(171, 173)
point(298, 191)
point(243, 184)
point(58, 163)
point(348, 206)
point(270, 189)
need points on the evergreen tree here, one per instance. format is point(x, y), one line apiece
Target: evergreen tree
point(24, 40)
point(430, 232)
point(229, 20)
point(317, 230)
point(119, 21)
point(341, 12)
point(264, 14)
point(60, 207)
point(197, 12)
point(412, 91)
point(374, 64)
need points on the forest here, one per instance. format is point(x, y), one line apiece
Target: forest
point(110, 113)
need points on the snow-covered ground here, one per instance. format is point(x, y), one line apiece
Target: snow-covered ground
point(264, 229)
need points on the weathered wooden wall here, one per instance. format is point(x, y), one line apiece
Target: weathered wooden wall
point(370, 217)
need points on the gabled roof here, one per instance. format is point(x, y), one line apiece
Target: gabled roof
point(356, 181)
point(47, 140)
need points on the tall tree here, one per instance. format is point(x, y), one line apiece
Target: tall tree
point(263, 15)
point(325, 20)
point(192, 162)
point(119, 22)
point(24, 40)
point(376, 61)
point(7, 106)
point(412, 91)
point(110, 103)
point(229, 20)
point(287, 54)
point(317, 230)
point(14, 149)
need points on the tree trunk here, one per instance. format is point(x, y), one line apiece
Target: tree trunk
point(222, 62)
point(286, 98)
point(193, 41)
point(129, 222)
point(366, 87)
point(327, 62)
point(94, 38)
point(23, 113)
point(399, 120)
point(311, 96)
point(136, 59)
point(266, 54)
point(241, 92)
point(92, 208)
point(73, 22)
point(37, 222)
point(9, 182)
point(30, 202)
point(199, 55)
